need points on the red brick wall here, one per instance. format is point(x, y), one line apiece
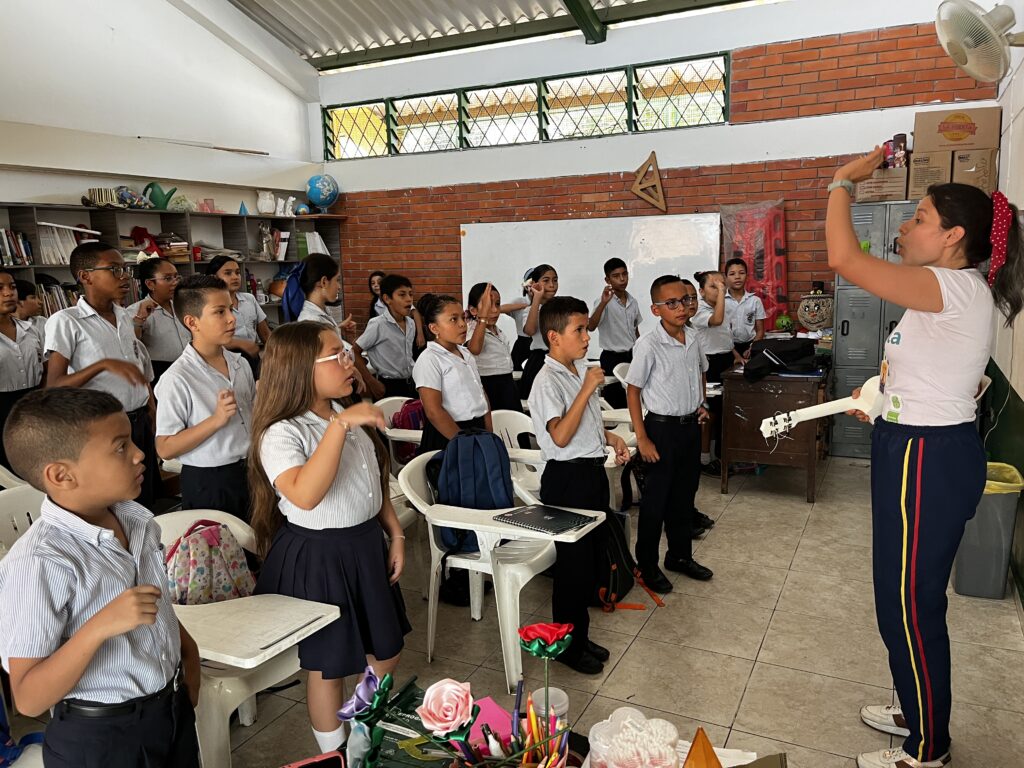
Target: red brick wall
point(416, 231)
point(894, 67)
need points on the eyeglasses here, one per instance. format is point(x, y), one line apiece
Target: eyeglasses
point(166, 279)
point(116, 272)
point(342, 358)
point(676, 303)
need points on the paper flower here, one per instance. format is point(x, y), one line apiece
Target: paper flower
point(545, 641)
point(447, 708)
point(370, 694)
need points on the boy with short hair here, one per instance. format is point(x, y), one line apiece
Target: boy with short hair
point(389, 340)
point(617, 316)
point(667, 378)
point(30, 308)
point(89, 628)
point(96, 339)
point(204, 402)
point(567, 422)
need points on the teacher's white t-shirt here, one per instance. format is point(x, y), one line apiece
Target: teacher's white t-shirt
point(934, 361)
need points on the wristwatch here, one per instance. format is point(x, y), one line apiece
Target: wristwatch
point(841, 183)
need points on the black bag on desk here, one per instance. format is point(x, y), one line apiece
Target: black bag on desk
point(780, 356)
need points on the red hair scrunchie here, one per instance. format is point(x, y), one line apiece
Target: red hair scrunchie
point(1002, 216)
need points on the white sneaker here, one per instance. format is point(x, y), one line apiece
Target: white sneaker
point(887, 718)
point(897, 758)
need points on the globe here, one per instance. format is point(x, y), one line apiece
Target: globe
point(322, 191)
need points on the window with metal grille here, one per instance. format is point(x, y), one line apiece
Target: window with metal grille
point(646, 97)
point(355, 131)
point(680, 94)
point(505, 114)
point(426, 123)
point(587, 105)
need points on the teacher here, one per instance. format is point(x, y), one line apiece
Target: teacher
point(927, 459)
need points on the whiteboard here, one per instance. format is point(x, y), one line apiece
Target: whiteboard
point(651, 246)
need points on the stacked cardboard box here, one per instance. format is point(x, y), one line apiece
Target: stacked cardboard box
point(959, 145)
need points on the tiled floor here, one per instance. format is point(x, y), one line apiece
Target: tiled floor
point(777, 653)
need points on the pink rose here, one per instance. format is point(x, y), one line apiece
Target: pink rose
point(447, 706)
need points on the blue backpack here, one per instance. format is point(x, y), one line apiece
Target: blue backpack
point(294, 298)
point(10, 750)
point(473, 471)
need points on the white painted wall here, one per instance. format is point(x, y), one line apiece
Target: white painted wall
point(97, 74)
point(652, 40)
point(1008, 351)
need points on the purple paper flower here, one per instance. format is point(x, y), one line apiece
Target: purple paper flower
point(362, 699)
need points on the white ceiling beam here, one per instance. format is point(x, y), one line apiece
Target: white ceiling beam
point(251, 41)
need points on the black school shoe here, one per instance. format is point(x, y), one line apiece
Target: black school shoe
point(599, 652)
point(585, 663)
point(688, 567)
point(712, 469)
point(655, 580)
point(700, 520)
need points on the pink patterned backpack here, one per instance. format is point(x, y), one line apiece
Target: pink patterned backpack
point(207, 565)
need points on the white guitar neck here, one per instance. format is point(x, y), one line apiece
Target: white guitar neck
point(830, 408)
point(870, 402)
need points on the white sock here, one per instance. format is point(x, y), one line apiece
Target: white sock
point(705, 458)
point(329, 741)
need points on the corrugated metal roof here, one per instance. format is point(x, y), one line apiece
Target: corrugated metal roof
point(331, 33)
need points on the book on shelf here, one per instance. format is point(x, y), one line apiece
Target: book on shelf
point(15, 249)
point(57, 241)
point(57, 297)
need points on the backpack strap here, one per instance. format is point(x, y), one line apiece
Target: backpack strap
point(654, 596)
point(191, 529)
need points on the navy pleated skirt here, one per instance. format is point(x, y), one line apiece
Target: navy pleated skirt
point(346, 567)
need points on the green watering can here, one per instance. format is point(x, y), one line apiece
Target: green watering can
point(157, 196)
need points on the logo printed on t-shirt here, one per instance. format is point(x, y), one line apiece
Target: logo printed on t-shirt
point(896, 338)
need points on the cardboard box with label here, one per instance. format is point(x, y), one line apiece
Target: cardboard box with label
point(884, 185)
point(927, 168)
point(957, 129)
point(977, 167)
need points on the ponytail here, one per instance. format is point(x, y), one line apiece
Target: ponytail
point(961, 205)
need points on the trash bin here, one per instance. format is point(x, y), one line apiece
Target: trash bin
point(984, 553)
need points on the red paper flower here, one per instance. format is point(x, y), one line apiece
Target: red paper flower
point(549, 633)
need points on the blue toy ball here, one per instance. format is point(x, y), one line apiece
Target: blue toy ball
point(301, 209)
point(322, 191)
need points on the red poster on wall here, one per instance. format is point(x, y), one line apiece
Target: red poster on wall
point(756, 233)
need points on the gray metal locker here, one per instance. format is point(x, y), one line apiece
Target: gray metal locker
point(850, 437)
point(855, 332)
point(898, 214)
point(869, 224)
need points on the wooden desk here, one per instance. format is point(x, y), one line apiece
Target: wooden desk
point(746, 404)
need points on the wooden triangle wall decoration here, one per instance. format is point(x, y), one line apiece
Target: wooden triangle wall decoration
point(647, 185)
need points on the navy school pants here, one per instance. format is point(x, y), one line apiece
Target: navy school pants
point(926, 483)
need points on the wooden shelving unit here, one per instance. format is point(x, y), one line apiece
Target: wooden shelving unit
point(223, 230)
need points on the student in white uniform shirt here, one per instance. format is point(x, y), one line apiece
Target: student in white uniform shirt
point(928, 464)
point(156, 325)
point(377, 306)
point(543, 287)
point(21, 354)
point(318, 281)
point(490, 346)
point(716, 340)
point(251, 329)
point(93, 345)
point(667, 378)
point(616, 316)
point(318, 476)
point(389, 341)
point(447, 378)
point(30, 307)
point(519, 310)
point(204, 403)
point(743, 310)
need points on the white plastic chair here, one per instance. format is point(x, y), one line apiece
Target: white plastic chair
point(508, 425)
point(390, 406)
point(19, 508)
point(8, 479)
point(620, 371)
point(511, 565)
point(225, 689)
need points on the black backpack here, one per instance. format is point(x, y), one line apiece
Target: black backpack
point(780, 356)
point(618, 571)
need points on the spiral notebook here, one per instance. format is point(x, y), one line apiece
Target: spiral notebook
point(537, 517)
